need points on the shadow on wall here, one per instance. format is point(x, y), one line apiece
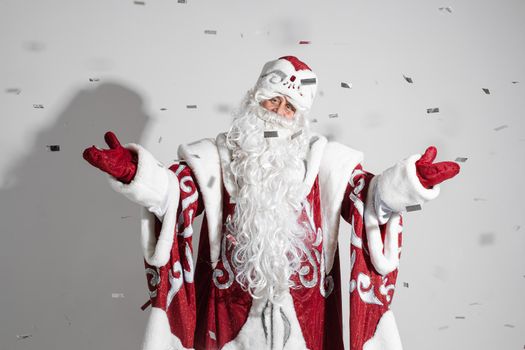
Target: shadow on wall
point(68, 240)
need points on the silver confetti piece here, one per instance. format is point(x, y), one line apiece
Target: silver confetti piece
point(196, 156)
point(212, 335)
point(211, 181)
point(448, 9)
point(309, 81)
point(117, 295)
point(94, 79)
point(461, 159)
point(163, 109)
point(487, 91)
point(405, 284)
point(23, 336)
point(333, 115)
point(125, 217)
point(460, 317)
point(181, 1)
point(304, 42)
point(314, 120)
point(13, 91)
point(477, 199)
point(160, 139)
point(296, 134)
point(508, 325)
point(408, 79)
point(517, 227)
point(501, 127)
point(53, 148)
point(413, 208)
point(442, 328)
point(191, 106)
point(208, 31)
point(37, 106)
point(515, 82)
point(139, 2)
point(346, 85)
point(433, 110)
point(268, 134)
point(474, 304)
point(486, 238)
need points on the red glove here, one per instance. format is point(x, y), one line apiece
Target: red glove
point(119, 162)
point(431, 174)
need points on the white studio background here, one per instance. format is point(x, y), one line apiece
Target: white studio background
point(71, 271)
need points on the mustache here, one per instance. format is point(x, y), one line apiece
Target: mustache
point(274, 118)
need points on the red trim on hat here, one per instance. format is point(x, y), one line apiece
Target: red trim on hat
point(297, 64)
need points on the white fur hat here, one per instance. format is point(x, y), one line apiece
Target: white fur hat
point(290, 77)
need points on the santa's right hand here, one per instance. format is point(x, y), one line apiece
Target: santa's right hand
point(117, 161)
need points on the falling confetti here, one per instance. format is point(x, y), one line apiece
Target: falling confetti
point(23, 336)
point(68, 320)
point(191, 106)
point(517, 227)
point(461, 159)
point(268, 134)
point(53, 148)
point(13, 91)
point(117, 295)
point(38, 106)
point(408, 79)
point(181, 1)
point(196, 156)
point(448, 9)
point(433, 110)
point(163, 109)
point(405, 284)
point(125, 217)
point(477, 199)
point(413, 208)
point(443, 328)
point(314, 120)
point(474, 304)
point(333, 115)
point(460, 317)
point(508, 325)
point(296, 134)
point(212, 335)
point(309, 81)
point(346, 85)
point(486, 238)
point(94, 79)
point(515, 82)
point(208, 31)
point(211, 181)
point(146, 304)
point(501, 127)
point(139, 2)
point(160, 139)
point(487, 91)
point(304, 42)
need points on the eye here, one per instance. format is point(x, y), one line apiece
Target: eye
point(290, 107)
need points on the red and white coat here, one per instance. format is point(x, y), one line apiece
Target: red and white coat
point(199, 305)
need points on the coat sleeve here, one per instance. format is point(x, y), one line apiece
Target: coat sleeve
point(171, 201)
point(374, 255)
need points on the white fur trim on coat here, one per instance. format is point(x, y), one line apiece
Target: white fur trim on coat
point(157, 190)
point(400, 187)
point(203, 158)
point(386, 336)
point(338, 162)
point(385, 258)
point(158, 334)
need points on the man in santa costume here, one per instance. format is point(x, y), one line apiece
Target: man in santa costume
point(272, 193)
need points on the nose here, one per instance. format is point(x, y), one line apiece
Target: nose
point(281, 109)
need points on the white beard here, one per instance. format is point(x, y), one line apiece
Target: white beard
point(269, 173)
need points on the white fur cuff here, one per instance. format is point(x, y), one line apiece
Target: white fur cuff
point(150, 186)
point(400, 187)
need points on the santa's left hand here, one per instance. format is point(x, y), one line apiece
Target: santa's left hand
point(431, 174)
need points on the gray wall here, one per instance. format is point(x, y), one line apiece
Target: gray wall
point(68, 242)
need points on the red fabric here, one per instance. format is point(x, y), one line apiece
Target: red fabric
point(117, 161)
point(181, 312)
point(365, 313)
point(431, 174)
point(297, 64)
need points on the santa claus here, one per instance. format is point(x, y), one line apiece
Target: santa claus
point(272, 193)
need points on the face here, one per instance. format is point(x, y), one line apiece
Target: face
point(279, 105)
